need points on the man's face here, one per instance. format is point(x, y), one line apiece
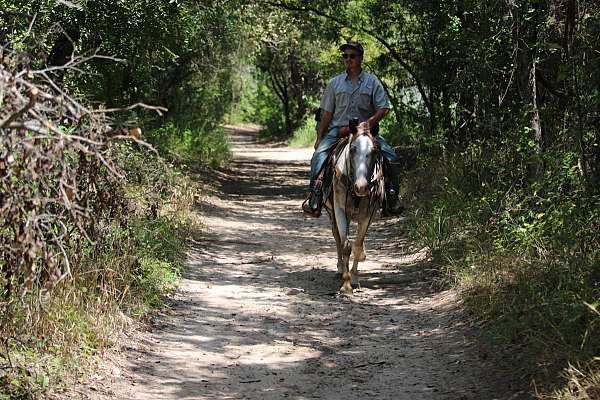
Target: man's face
point(351, 57)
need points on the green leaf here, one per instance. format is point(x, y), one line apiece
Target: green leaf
point(593, 306)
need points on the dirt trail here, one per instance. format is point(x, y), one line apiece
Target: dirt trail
point(258, 315)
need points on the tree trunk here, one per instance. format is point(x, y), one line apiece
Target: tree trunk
point(536, 167)
point(527, 86)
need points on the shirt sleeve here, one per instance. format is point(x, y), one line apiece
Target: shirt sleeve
point(380, 99)
point(328, 100)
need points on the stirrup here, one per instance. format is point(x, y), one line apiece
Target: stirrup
point(312, 205)
point(393, 205)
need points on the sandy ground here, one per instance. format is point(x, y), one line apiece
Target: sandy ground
point(258, 315)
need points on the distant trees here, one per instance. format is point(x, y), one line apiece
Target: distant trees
point(286, 51)
point(175, 54)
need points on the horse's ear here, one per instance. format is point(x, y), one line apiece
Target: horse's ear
point(353, 125)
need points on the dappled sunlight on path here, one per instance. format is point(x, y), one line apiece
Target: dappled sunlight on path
point(258, 315)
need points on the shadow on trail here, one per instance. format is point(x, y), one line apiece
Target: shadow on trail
point(341, 351)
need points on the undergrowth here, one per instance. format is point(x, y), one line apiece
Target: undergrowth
point(525, 258)
point(116, 280)
point(305, 135)
point(191, 144)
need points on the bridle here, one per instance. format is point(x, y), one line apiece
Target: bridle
point(374, 178)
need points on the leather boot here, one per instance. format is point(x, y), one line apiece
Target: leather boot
point(312, 205)
point(393, 205)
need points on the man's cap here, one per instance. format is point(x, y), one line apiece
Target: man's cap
point(353, 45)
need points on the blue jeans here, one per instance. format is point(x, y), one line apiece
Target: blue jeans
point(330, 139)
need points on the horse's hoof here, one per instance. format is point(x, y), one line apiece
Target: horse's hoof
point(346, 290)
point(354, 281)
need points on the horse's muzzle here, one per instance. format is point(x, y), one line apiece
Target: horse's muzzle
point(361, 187)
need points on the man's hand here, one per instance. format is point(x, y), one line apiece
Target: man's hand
point(343, 131)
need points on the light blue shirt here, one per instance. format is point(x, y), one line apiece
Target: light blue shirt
point(346, 101)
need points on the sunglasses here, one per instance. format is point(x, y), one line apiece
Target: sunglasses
point(351, 56)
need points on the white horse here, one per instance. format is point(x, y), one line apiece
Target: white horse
point(357, 193)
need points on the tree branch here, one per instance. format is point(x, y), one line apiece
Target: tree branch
point(33, 93)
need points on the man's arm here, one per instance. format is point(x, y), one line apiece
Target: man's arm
point(381, 103)
point(323, 125)
point(378, 116)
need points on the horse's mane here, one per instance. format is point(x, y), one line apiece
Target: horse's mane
point(341, 166)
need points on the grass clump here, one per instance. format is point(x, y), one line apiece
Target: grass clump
point(583, 383)
point(305, 135)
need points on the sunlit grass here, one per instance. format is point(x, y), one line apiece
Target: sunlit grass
point(305, 135)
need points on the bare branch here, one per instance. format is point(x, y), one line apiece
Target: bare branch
point(33, 93)
point(72, 64)
point(31, 24)
point(158, 109)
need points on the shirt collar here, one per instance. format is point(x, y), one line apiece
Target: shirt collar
point(360, 76)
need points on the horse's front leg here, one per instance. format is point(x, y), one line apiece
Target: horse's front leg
point(338, 245)
point(364, 220)
point(336, 235)
point(345, 248)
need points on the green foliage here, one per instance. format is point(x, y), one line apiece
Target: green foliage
point(176, 54)
point(289, 71)
point(245, 91)
point(524, 253)
point(128, 268)
point(193, 144)
point(305, 135)
point(159, 247)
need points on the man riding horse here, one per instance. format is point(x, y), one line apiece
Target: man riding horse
point(353, 94)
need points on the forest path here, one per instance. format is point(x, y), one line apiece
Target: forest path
point(258, 316)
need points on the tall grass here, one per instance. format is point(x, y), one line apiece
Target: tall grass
point(525, 262)
point(305, 135)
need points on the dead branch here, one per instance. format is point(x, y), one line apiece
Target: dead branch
point(60, 179)
point(73, 64)
point(158, 109)
point(33, 93)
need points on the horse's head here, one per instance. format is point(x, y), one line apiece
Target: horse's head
point(362, 158)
